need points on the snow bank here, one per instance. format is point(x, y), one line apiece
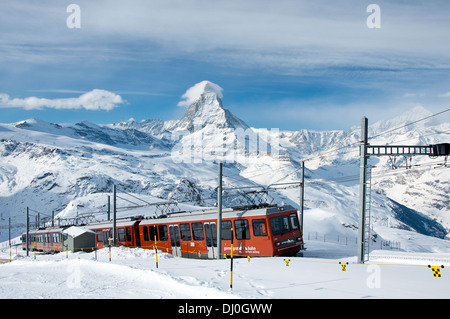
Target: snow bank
point(132, 273)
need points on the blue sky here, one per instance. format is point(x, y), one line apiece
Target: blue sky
point(289, 64)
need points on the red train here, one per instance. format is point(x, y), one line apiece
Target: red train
point(46, 240)
point(268, 231)
point(127, 232)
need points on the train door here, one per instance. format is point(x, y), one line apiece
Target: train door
point(211, 239)
point(106, 236)
point(175, 240)
point(137, 235)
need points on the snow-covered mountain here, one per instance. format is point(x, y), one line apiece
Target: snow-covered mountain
point(70, 168)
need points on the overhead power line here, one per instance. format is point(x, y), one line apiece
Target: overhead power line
point(411, 123)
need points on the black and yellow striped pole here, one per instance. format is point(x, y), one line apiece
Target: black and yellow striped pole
point(231, 260)
point(156, 249)
point(109, 240)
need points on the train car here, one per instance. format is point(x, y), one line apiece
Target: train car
point(45, 240)
point(268, 231)
point(127, 232)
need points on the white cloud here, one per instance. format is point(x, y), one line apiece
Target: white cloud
point(288, 34)
point(194, 92)
point(445, 94)
point(94, 100)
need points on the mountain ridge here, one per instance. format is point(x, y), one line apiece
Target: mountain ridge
point(54, 165)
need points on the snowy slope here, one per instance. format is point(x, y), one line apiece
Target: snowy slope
point(132, 273)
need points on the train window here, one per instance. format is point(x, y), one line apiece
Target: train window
point(163, 236)
point(153, 232)
point(121, 234)
point(145, 233)
point(259, 227)
point(280, 225)
point(241, 229)
point(128, 233)
point(294, 221)
point(99, 235)
point(174, 236)
point(185, 230)
point(226, 230)
point(211, 234)
point(197, 231)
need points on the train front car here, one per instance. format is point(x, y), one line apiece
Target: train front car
point(287, 237)
point(269, 231)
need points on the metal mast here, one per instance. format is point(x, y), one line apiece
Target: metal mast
point(219, 214)
point(362, 189)
point(367, 150)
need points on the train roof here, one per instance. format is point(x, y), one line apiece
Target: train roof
point(211, 214)
point(119, 222)
point(46, 230)
point(205, 214)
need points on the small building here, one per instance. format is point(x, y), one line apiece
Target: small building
point(80, 239)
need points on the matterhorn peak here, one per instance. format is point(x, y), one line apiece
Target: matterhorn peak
point(200, 89)
point(204, 107)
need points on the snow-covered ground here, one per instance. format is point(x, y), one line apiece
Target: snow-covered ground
point(132, 273)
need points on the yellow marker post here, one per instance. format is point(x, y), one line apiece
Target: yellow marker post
point(156, 249)
point(343, 265)
point(436, 270)
point(287, 262)
point(231, 260)
point(248, 257)
point(109, 241)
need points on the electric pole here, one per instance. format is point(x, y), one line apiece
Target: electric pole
point(114, 231)
point(367, 150)
point(362, 189)
point(302, 195)
point(219, 214)
point(28, 231)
